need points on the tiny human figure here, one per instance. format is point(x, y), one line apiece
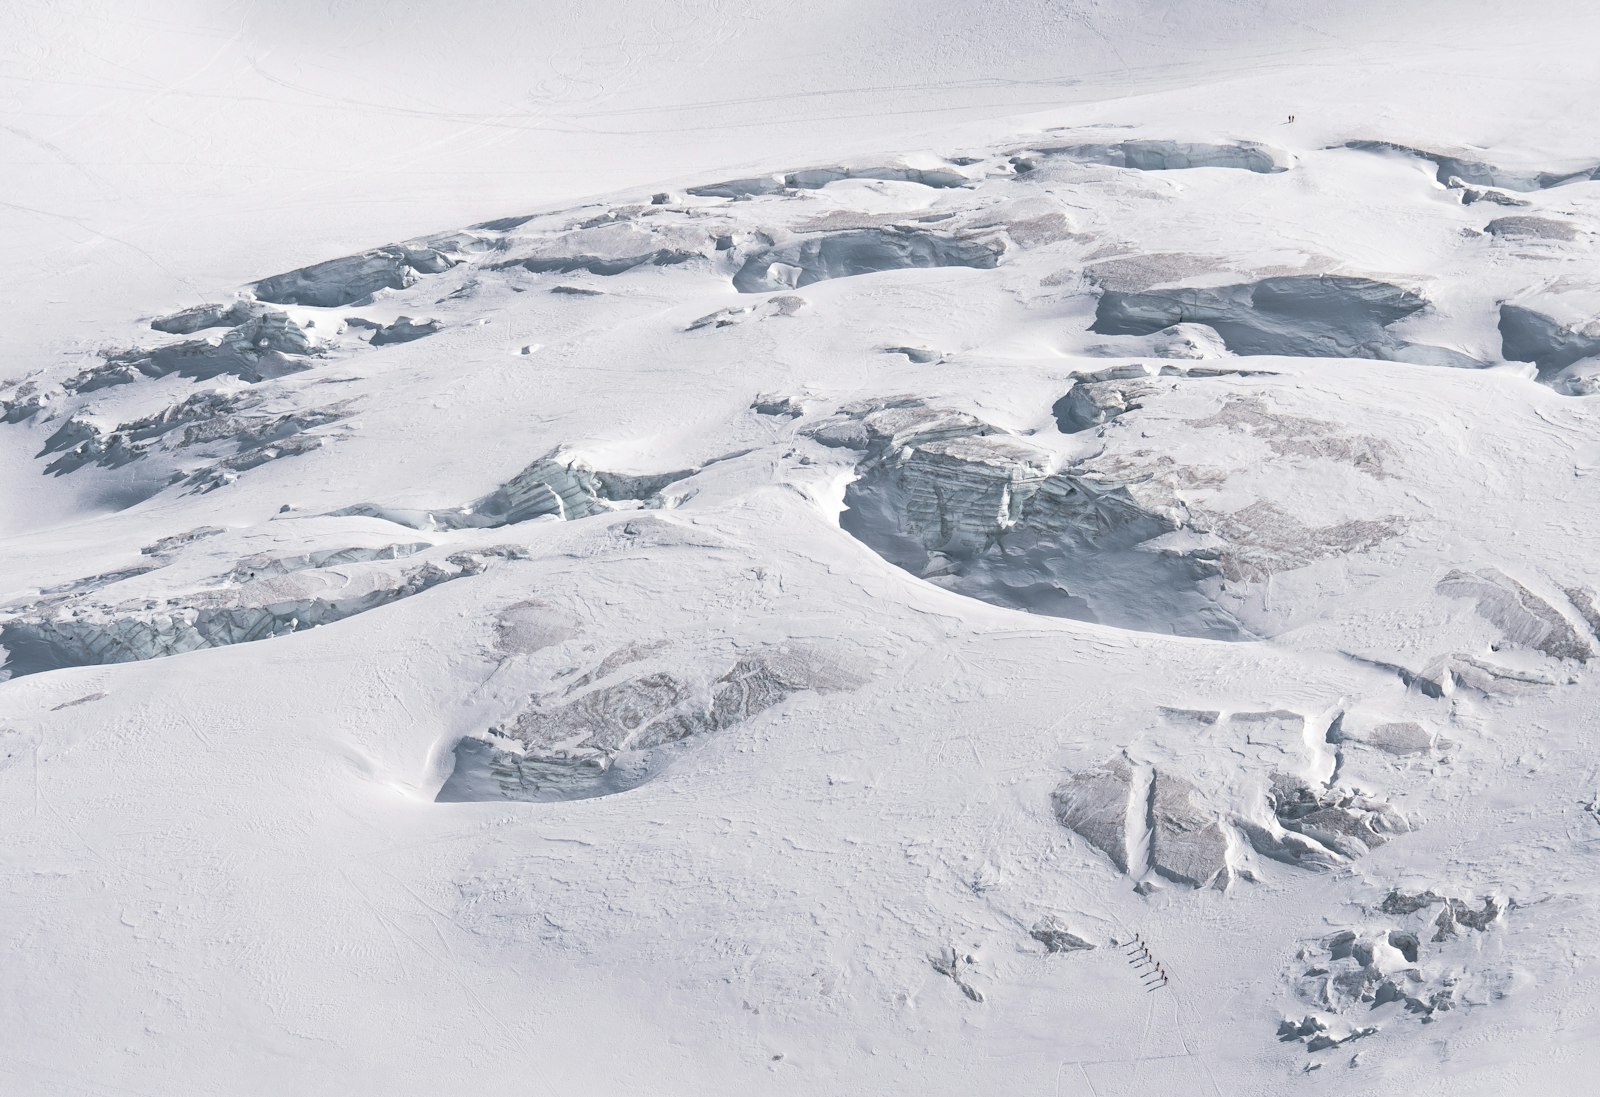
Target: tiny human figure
point(1291, 119)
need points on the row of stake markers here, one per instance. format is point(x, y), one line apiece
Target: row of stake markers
point(1151, 973)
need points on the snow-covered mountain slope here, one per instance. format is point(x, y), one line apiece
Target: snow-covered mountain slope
point(1101, 603)
point(169, 149)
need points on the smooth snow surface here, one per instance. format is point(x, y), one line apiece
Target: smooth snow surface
point(869, 547)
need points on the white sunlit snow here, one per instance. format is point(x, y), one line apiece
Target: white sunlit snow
point(859, 548)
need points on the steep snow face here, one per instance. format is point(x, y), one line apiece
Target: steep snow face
point(814, 620)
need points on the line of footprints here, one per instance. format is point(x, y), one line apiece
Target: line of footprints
point(1151, 973)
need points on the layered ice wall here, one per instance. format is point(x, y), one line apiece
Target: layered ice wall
point(261, 598)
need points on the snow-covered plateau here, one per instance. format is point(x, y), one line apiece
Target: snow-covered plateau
point(1038, 548)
